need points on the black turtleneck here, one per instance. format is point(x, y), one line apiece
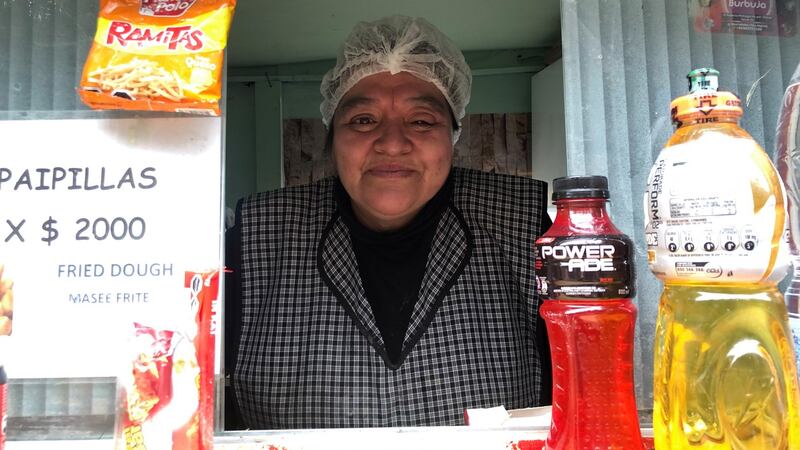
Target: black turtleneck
point(392, 264)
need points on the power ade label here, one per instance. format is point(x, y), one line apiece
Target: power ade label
point(590, 267)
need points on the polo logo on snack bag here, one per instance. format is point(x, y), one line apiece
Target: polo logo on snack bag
point(164, 8)
point(124, 34)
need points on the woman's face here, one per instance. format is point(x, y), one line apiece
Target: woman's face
point(392, 146)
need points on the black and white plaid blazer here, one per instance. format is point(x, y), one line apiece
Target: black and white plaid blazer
point(310, 353)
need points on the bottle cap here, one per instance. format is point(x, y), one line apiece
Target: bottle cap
point(705, 79)
point(595, 186)
point(704, 101)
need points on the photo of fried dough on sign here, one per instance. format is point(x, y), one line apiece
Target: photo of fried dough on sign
point(6, 303)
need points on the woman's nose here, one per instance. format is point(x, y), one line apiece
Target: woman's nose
point(393, 139)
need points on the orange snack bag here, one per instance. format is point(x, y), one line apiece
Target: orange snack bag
point(159, 55)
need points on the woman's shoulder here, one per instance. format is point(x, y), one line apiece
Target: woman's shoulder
point(501, 210)
point(478, 188)
point(293, 196)
point(290, 204)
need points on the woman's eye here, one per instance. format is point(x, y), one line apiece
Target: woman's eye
point(363, 120)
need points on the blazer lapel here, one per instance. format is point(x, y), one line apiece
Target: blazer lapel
point(338, 268)
point(450, 252)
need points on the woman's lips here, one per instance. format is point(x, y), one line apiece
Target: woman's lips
point(390, 171)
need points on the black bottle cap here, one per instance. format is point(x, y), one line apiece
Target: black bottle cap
point(595, 186)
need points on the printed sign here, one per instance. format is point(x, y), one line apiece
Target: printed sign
point(760, 17)
point(99, 221)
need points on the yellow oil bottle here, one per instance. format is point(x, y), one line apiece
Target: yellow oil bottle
point(725, 375)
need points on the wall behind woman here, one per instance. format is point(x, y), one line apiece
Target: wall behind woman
point(494, 142)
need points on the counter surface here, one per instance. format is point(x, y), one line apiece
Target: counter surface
point(463, 438)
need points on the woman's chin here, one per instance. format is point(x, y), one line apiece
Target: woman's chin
point(388, 215)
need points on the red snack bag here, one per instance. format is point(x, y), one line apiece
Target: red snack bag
point(166, 396)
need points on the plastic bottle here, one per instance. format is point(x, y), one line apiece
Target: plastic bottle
point(725, 374)
point(584, 268)
point(787, 157)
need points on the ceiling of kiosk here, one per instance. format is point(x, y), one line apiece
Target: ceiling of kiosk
point(267, 32)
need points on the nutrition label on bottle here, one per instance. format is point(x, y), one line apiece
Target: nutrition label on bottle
point(690, 206)
point(708, 215)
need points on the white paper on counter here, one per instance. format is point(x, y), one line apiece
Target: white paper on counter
point(498, 417)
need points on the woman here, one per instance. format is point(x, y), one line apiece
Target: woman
point(401, 292)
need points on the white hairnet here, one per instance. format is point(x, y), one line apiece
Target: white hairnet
point(398, 44)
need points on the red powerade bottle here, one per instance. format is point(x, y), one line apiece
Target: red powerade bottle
point(584, 274)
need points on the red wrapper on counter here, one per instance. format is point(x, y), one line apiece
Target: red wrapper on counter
point(166, 393)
